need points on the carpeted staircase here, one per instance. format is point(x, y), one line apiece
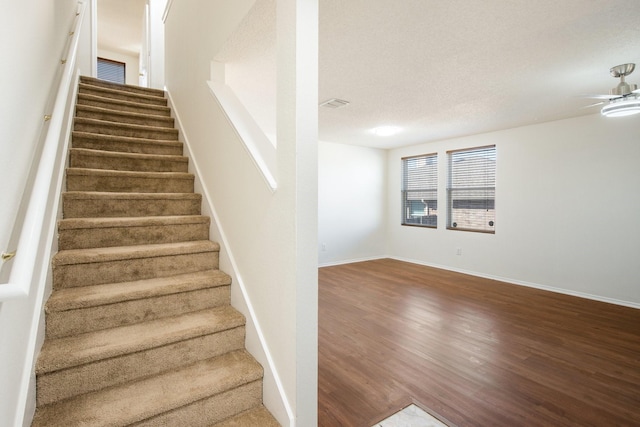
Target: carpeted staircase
point(139, 327)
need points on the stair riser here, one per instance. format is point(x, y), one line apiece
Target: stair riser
point(85, 80)
point(66, 276)
point(113, 208)
point(90, 377)
point(206, 412)
point(128, 131)
point(73, 322)
point(84, 160)
point(125, 118)
point(130, 236)
point(100, 102)
point(128, 184)
point(122, 96)
point(95, 142)
point(258, 416)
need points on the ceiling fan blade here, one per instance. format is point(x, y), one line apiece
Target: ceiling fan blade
point(593, 105)
point(600, 96)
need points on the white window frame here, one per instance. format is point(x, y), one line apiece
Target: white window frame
point(419, 192)
point(471, 189)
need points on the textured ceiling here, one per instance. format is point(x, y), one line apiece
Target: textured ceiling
point(442, 69)
point(120, 26)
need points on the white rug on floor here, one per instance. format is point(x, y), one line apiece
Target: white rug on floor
point(411, 416)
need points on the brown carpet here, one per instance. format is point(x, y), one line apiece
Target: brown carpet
point(139, 327)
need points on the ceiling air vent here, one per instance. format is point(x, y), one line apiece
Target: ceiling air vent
point(335, 103)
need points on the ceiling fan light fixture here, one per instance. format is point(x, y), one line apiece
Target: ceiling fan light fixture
point(621, 108)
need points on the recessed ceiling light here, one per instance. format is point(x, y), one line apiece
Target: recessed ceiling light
point(386, 130)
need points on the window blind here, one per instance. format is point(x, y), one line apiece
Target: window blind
point(420, 190)
point(471, 189)
point(112, 71)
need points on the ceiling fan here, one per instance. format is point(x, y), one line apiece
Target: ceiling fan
point(622, 100)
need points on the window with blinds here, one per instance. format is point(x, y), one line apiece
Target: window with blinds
point(471, 189)
point(112, 71)
point(420, 190)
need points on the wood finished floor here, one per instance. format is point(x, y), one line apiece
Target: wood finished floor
point(477, 352)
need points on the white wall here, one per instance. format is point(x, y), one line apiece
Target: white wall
point(249, 58)
point(352, 200)
point(270, 239)
point(32, 37)
point(567, 203)
point(156, 41)
point(132, 64)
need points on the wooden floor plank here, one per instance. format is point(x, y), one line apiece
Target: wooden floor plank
point(477, 352)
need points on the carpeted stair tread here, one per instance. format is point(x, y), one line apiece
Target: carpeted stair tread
point(62, 384)
point(90, 223)
point(82, 124)
point(125, 144)
point(154, 304)
point(96, 255)
point(80, 233)
point(127, 269)
point(92, 296)
point(120, 105)
point(83, 179)
point(129, 117)
point(113, 160)
point(63, 353)
point(86, 267)
point(82, 204)
point(126, 174)
point(159, 93)
point(122, 95)
point(256, 417)
point(137, 401)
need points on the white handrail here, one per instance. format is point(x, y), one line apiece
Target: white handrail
point(21, 277)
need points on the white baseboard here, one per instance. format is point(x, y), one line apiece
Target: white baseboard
point(351, 261)
point(527, 284)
